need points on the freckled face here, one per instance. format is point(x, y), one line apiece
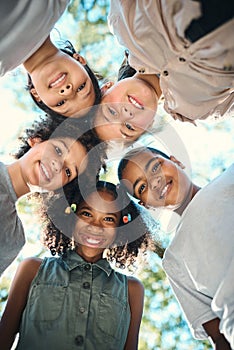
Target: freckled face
point(127, 110)
point(156, 181)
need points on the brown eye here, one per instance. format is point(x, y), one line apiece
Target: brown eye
point(156, 167)
point(109, 219)
point(68, 172)
point(58, 151)
point(60, 103)
point(112, 111)
point(129, 126)
point(141, 188)
point(81, 87)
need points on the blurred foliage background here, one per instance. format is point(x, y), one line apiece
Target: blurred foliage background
point(85, 25)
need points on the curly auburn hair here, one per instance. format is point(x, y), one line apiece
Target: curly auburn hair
point(137, 235)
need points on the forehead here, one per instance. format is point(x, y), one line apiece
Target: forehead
point(114, 93)
point(102, 201)
point(119, 85)
point(141, 158)
point(69, 143)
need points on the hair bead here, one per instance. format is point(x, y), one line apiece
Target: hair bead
point(127, 218)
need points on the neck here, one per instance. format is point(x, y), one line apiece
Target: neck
point(39, 58)
point(152, 80)
point(18, 182)
point(89, 254)
point(192, 192)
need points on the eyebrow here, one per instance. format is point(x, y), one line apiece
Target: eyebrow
point(146, 168)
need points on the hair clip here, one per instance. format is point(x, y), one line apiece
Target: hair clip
point(71, 208)
point(127, 218)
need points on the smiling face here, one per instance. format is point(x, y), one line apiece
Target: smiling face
point(127, 110)
point(156, 181)
point(54, 163)
point(63, 85)
point(98, 219)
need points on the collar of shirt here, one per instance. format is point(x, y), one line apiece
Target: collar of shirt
point(73, 260)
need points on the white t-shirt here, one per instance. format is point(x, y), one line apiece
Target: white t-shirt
point(24, 26)
point(194, 77)
point(199, 260)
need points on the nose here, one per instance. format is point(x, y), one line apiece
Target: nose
point(126, 113)
point(56, 165)
point(66, 90)
point(155, 182)
point(95, 227)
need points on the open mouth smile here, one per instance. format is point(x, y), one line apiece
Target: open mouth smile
point(165, 190)
point(45, 173)
point(93, 241)
point(135, 102)
point(58, 80)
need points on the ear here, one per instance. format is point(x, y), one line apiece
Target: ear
point(106, 87)
point(32, 141)
point(176, 161)
point(35, 95)
point(79, 58)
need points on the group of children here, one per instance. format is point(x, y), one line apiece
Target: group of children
point(77, 298)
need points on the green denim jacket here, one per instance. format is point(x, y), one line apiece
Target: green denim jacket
point(73, 304)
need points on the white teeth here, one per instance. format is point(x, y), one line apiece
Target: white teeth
point(58, 80)
point(135, 103)
point(164, 191)
point(45, 172)
point(93, 241)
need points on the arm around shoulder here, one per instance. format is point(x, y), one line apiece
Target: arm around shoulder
point(136, 302)
point(10, 321)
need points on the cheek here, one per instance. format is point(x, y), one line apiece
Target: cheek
point(78, 228)
point(145, 120)
point(109, 132)
point(184, 187)
point(48, 98)
point(114, 94)
point(58, 181)
point(111, 235)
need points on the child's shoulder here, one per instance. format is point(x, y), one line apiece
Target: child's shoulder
point(135, 284)
point(26, 271)
point(30, 265)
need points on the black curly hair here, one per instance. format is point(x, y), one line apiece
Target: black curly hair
point(125, 70)
point(69, 49)
point(137, 235)
point(46, 127)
